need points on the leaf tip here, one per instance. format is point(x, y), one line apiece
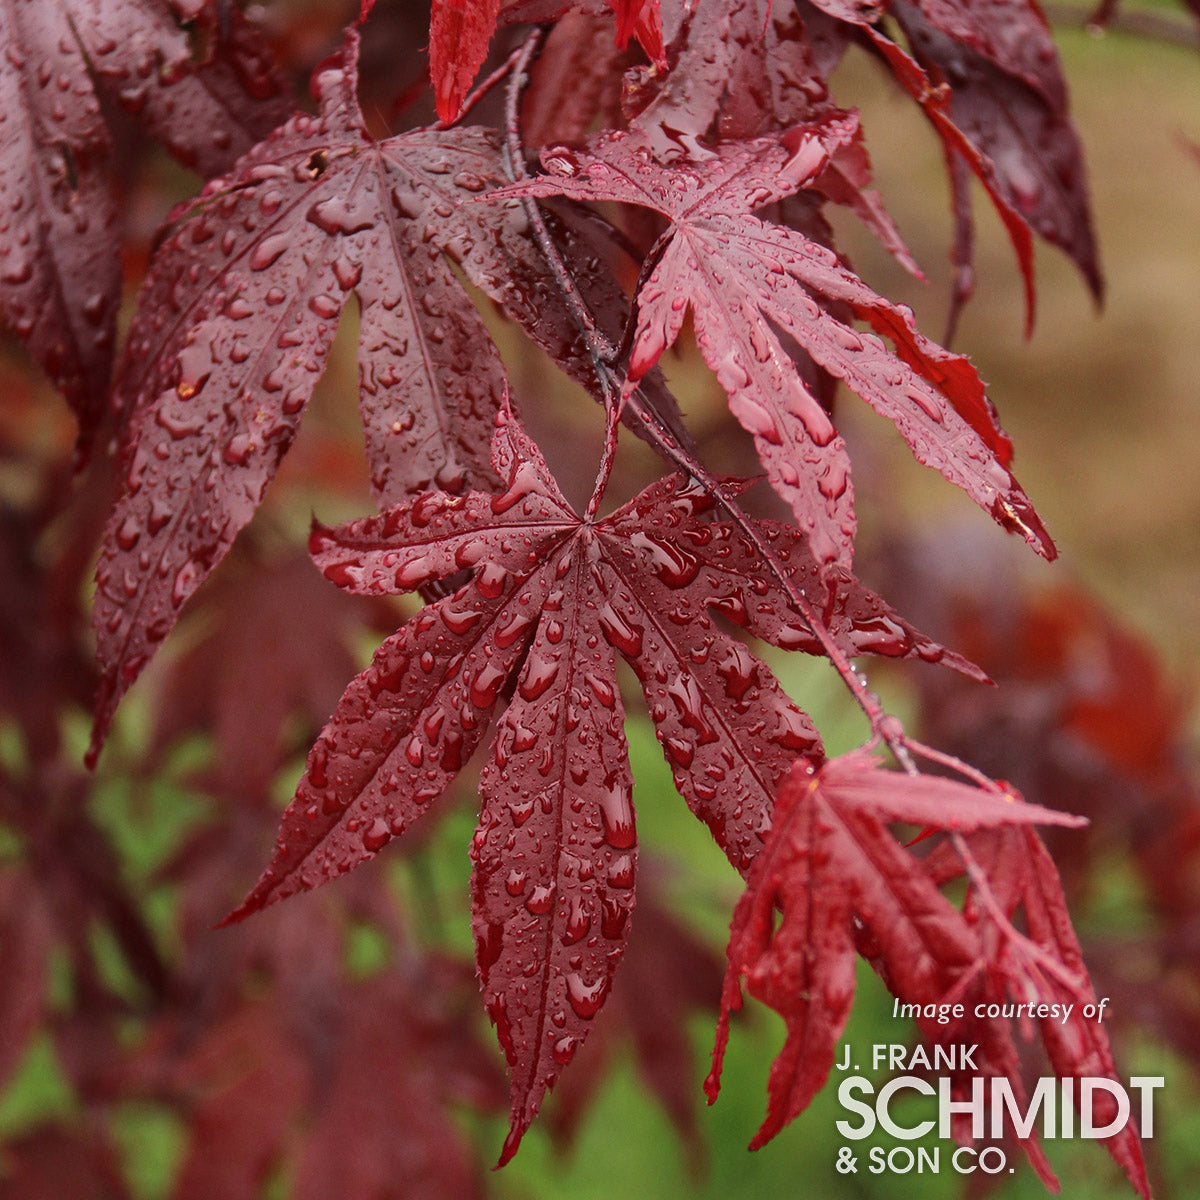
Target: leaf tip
point(512, 1143)
point(258, 898)
point(104, 707)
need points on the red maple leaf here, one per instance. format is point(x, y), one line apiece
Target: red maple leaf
point(552, 600)
point(237, 316)
point(833, 879)
point(232, 330)
point(745, 280)
point(988, 78)
point(242, 680)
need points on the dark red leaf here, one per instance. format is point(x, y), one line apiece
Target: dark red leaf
point(409, 1052)
point(52, 1163)
point(231, 335)
point(744, 279)
point(244, 1080)
point(459, 34)
point(243, 679)
point(667, 976)
point(59, 272)
point(59, 278)
point(26, 938)
point(208, 113)
point(988, 78)
point(1008, 98)
point(576, 76)
point(461, 30)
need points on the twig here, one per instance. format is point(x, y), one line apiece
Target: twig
point(954, 764)
point(1108, 18)
point(600, 348)
point(983, 889)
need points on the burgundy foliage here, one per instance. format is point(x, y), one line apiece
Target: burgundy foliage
point(59, 272)
point(687, 154)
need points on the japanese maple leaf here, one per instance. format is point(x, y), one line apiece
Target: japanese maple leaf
point(233, 326)
point(832, 864)
point(50, 1162)
point(667, 976)
point(553, 599)
point(1008, 97)
point(26, 941)
point(59, 271)
point(461, 30)
point(248, 1081)
point(746, 281)
point(243, 680)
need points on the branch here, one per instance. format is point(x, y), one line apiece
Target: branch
point(1156, 26)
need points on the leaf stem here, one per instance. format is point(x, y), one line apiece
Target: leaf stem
point(1046, 963)
point(885, 727)
point(601, 349)
point(953, 763)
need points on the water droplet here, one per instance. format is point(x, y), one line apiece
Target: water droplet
point(586, 998)
point(184, 584)
point(614, 917)
point(346, 272)
point(325, 306)
point(673, 565)
point(459, 620)
point(881, 635)
point(620, 872)
point(619, 632)
point(537, 675)
point(128, 533)
point(616, 811)
point(376, 836)
point(679, 751)
point(336, 216)
point(268, 251)
point(564, 1049)
point(486, 684)
point(524, 481)
point(490, 580)
point(579, 921)
point(238, 449)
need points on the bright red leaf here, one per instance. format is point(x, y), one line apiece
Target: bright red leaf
point(842, 882)
point(461, 30)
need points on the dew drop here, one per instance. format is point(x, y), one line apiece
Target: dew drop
point(268, 251)
point(586, 999)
